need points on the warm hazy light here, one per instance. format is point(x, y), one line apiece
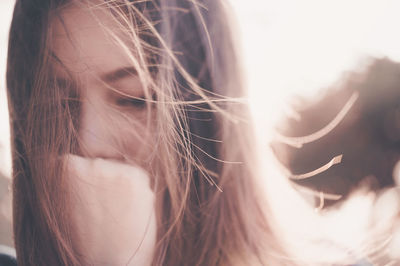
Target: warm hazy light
point(299, 47)
point(296, 47)
point(5, 19)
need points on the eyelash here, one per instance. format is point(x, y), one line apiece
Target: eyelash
point(139, 102)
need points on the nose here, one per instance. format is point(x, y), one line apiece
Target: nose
point(97, 133)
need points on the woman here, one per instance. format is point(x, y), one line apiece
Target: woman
point(131, 141)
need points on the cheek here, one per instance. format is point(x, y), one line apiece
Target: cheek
point(116, 133)
point(136, 136)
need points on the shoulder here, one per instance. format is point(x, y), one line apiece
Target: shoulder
point(7, 260)
point(7, 256)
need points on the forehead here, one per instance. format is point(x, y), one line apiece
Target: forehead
point(81, 40)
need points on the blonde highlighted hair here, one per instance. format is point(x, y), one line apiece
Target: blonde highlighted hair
point(208, 204)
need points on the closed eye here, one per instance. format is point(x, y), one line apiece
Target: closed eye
point(138, 102)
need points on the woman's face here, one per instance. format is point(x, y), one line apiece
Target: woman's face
point(111, 124)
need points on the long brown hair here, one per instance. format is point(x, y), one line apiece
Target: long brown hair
point(207, 200)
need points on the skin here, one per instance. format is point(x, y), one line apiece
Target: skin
point(113, 202)
point(110, 123)
point(114, 211)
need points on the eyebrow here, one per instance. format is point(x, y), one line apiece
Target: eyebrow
point(118, 74)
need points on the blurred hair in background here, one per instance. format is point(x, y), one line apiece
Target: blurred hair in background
point(368, 136)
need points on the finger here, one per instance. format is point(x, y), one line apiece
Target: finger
point(106, 172)
point(115, 169)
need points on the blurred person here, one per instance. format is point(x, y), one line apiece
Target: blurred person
point(131, 142)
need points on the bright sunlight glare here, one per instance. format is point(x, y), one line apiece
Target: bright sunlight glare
point(300, 48)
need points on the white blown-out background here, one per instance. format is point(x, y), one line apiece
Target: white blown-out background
point(289, 46)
